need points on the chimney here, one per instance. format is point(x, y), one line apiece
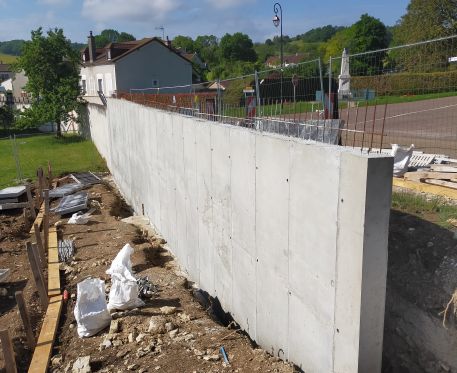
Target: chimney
point(91, 44)
point(168, 42)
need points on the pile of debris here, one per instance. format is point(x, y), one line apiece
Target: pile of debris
point(442, 175)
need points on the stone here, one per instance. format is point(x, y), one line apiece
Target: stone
point(211, 357)
point(140, 337)
point(169, 326)
point(142, 352)
point(167, 310)
point(105, 344)
point(114, 327)
point(132, 336)
point(82, 365)
point(430, 244)
point(56, 361)
point(121, 354)
point(184, 317)
point(117, 343)
point(156, 325)
point(173, 333)
point(132, 367)
point(142, 370)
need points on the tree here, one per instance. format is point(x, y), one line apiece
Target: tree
point(184, 42)
point(111, 36)
point(320, 34)
point(426, 19)
point(52, 68)
point(6, 116)
point(367, 34)
point(237, 47)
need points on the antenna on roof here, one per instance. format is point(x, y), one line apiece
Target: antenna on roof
point(163, 31)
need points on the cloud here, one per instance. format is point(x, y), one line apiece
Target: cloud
point(132, 10)
point(224, 4)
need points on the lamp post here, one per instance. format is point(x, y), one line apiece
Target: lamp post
point(277, 21)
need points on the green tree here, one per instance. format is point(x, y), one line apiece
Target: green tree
point(320, 34)
point(52, 68)
point(111, 36)
point(427, 19)
point(184, 42)
point(207, 46)
point(6, 116)
point(237, 47)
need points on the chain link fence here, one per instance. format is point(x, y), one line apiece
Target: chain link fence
point(401, 95)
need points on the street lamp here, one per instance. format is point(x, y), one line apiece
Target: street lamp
point(277, 21)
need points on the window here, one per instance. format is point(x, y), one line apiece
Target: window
point(100, 85)
point(83, 86)
point(155, 82)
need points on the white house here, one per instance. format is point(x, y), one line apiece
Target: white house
point(121, 67)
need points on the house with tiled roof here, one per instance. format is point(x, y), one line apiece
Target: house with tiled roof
point(148, 63)
point(290, 60)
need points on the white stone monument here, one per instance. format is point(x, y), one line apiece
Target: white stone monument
point(344, 87)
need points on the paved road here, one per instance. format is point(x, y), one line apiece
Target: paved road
point(430, 124)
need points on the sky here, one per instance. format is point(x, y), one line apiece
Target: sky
point(186, 17)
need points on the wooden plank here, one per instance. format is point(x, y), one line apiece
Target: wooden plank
point(46, 231)
point(425, 188)
point(37, 276)
point(39, 219)
point(43, 349)
point(39, 242)
point(443, 168)
point(30, 201)
point(53, 264)
point(10, 206)
point(422, 175)
point(8, 351)
point(446, 184)
point(25, 319)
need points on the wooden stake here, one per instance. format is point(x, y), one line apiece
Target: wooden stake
point(39, 243)
point(25, 319)
point(46, 232)
point(30, 201)
point(37, 276)
point(8, 351)
point(49, 173)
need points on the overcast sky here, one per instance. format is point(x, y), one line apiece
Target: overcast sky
point(185, 17)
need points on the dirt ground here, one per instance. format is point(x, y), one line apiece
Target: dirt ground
point(192, 340)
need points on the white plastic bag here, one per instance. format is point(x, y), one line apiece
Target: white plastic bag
point(124, 289)
point(78, 218)
point(402, 156)
point(91, 312)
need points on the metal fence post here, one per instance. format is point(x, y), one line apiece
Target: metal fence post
point(322, 84)
point(257, 91)
point(330, 88)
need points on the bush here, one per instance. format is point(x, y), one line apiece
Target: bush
point(407, 83)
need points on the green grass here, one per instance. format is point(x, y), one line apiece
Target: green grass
point(434, 209)
point(307, 107)
point(7, 58)
point(70, 153)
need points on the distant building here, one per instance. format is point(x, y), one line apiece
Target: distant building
point(291, 60)
point(12, 87)
point(140, 64)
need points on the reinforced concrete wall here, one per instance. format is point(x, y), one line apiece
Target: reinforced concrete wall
point(291, 237)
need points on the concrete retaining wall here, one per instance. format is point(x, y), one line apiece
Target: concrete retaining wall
point(291, 237)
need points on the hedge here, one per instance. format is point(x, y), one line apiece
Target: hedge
point(407, 83)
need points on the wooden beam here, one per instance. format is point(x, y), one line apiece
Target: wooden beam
point(37, 276)
point(45, 232)
point(39, 218)
point(443, 168)
point(8, 351)
point(25, 319)
point(10, 206)
point(43, 349)
point(418, 176)
point(425, 188)
point(53, 264)
point(446, 184)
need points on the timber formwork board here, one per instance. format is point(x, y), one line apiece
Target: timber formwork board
point(39, 218)
point(43, 349)
point(53, 264)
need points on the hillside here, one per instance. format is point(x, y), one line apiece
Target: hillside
point(7, 58)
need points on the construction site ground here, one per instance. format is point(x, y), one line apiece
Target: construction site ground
point(187, 340)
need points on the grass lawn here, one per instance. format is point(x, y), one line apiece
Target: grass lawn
point(290, 107)
point(68, 154)
point(6, 58)
point(436, 210)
